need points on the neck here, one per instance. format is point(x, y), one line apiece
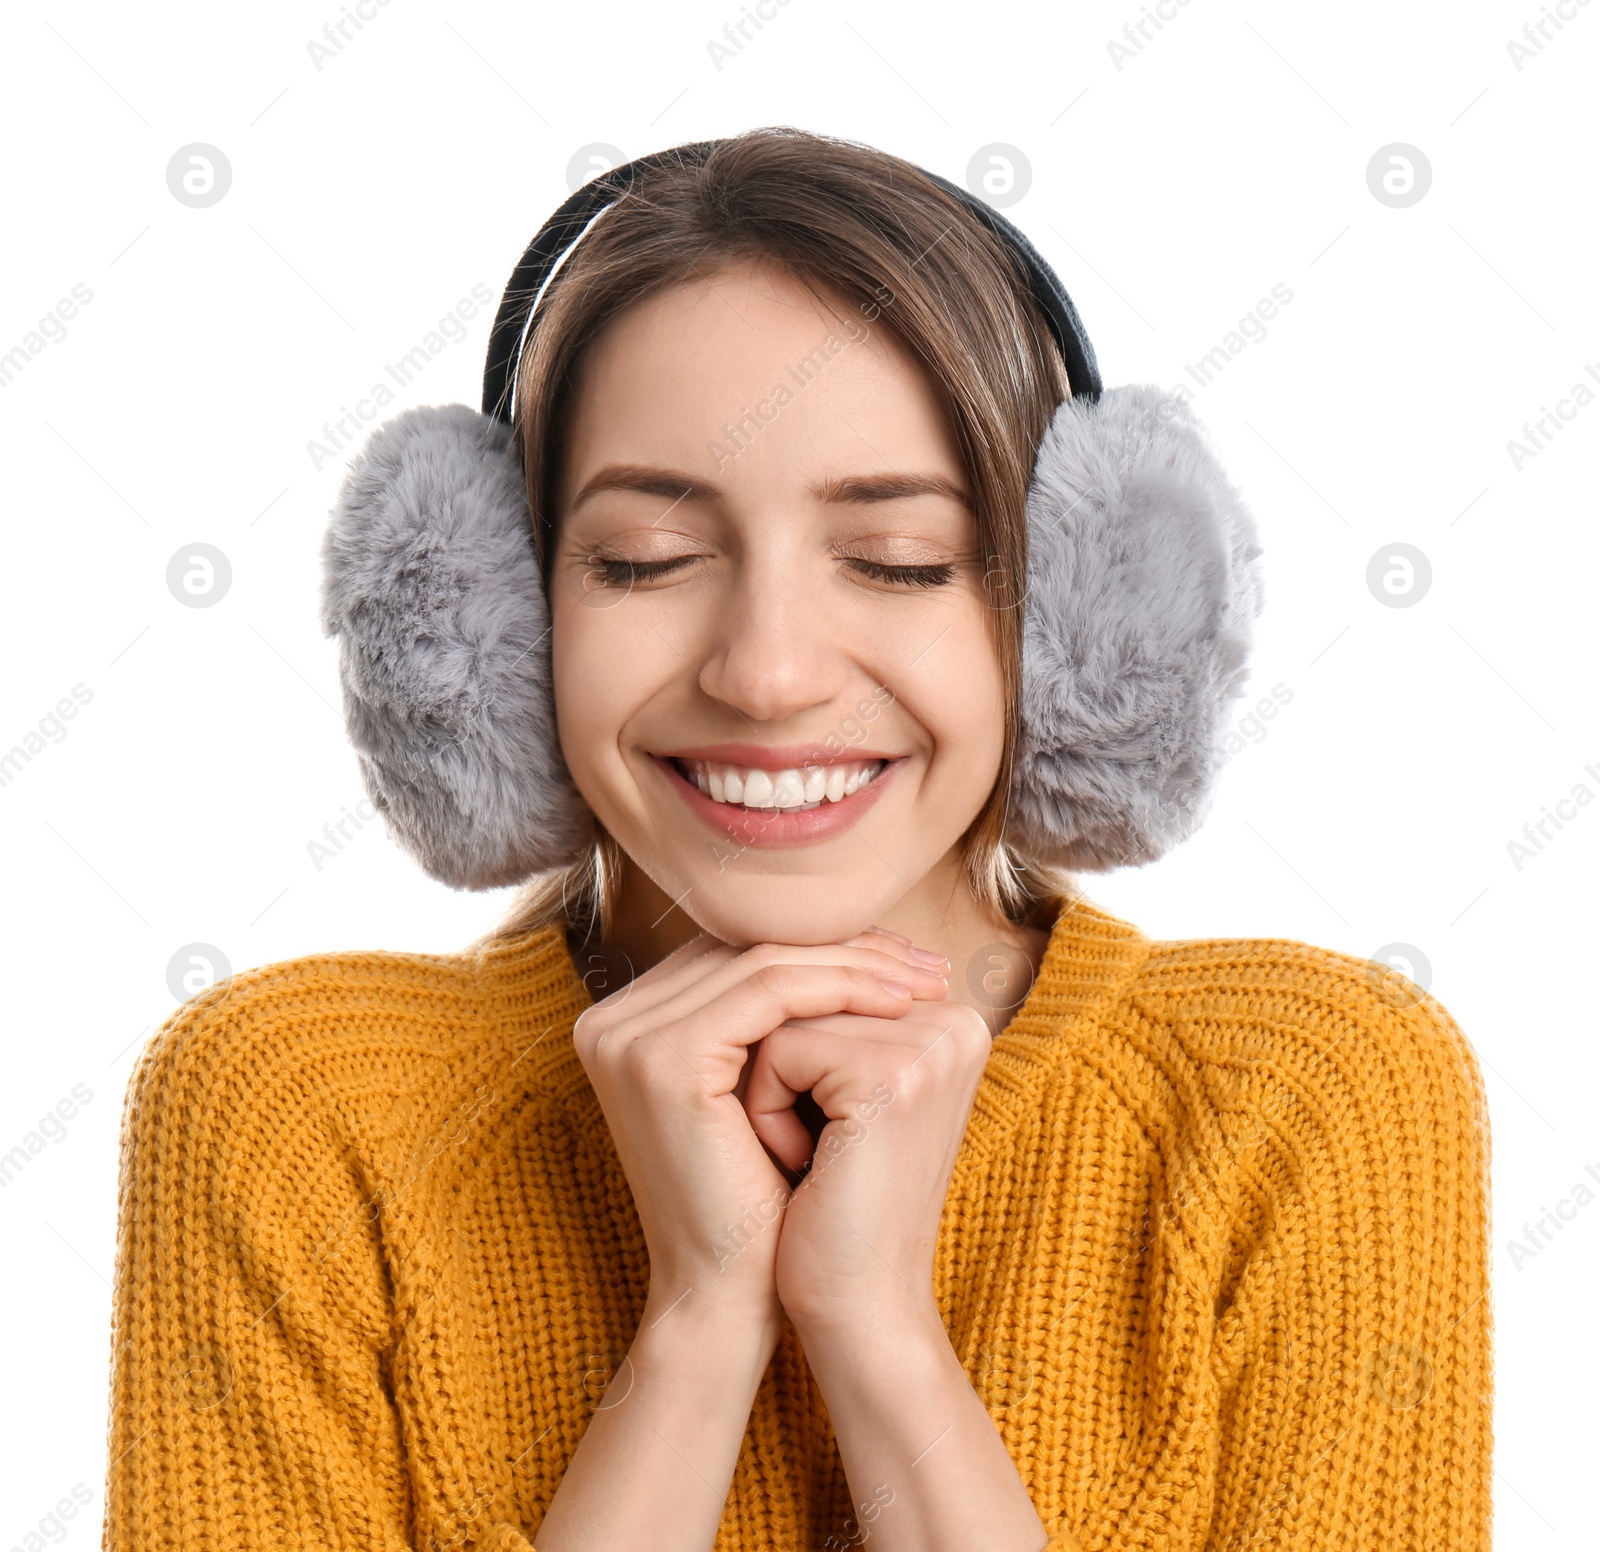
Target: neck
point(992, 961)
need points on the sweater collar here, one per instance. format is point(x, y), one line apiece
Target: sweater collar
point(1088, 956)
point(538, 991)
point(1089, 961)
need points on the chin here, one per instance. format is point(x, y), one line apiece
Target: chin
point(788, 908)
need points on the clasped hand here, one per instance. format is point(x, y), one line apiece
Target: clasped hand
point(698, 1063)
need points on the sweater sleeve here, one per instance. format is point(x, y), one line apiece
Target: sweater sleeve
point(254, 1343)
point(1319, 1371)
point(1350, 1355)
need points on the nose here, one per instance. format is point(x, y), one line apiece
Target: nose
point(771, 650)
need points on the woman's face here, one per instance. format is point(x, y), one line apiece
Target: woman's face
point(760, 458)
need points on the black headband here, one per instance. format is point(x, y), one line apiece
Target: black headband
point(563, 229)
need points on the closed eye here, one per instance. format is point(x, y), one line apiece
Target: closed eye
point(611, 572)
point(912, 576)
point(624, 573)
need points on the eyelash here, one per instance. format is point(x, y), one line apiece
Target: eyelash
point(624, 573)
point(915, 576)
point(619, 573)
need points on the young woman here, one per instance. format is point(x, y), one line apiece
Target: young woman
point(805, 1161)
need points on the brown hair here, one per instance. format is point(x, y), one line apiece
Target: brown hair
point(847, 221)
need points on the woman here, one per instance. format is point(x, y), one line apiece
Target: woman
point(804, 1160)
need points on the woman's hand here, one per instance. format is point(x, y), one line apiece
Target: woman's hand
point(859, 1233)
point(927, 1468)
point(666, 1056)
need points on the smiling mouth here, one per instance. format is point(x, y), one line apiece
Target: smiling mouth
point(795, 790)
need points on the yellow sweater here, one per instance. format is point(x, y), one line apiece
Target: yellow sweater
point(1214, 1255)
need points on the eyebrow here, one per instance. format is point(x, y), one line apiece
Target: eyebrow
point(853, 489)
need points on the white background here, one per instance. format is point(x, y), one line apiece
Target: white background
point(1229, 154)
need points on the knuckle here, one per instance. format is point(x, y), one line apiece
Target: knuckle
point(775, 979)
point(642, 1057)
point(588, 1030)
point(972, 1031)
point(855, 978)
point(767, 956)
point(907, 1081)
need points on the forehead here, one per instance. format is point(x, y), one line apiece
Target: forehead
point(750, 370)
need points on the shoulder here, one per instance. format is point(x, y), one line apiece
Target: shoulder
point(279, 1115)
point(355, 1047)
point(1303, 1080)
point(1230, 1013)
point(324, 1010)
point(1335, 1020)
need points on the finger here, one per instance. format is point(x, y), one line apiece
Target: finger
point(709, 1039)
point(898, 943)
point(690, 962)
point(794, 1060)
point(840, 1072)
point(696, 994)
point(769, 1103)
point(919, 1028)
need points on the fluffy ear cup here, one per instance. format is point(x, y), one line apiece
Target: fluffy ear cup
point(1143, 586)
point(431, 583)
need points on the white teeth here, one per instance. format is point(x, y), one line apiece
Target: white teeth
point(792, 788)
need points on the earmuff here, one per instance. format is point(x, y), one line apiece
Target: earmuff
point(1142, 589)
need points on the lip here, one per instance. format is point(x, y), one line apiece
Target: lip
point(773, 828)
point(775, 757)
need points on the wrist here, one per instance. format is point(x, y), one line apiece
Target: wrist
point(711, 1323)
point(868, 1337)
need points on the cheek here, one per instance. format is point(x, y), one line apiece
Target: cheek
point(957, 693)
point(593, 668)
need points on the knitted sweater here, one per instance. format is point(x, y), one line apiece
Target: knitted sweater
point(1214, 1255)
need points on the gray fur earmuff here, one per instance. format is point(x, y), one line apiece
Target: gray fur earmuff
point(1142, 589)
point(431, 583)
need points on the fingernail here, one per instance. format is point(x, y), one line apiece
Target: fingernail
point(928, 957)
point(899, 937)
point(896, 988)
